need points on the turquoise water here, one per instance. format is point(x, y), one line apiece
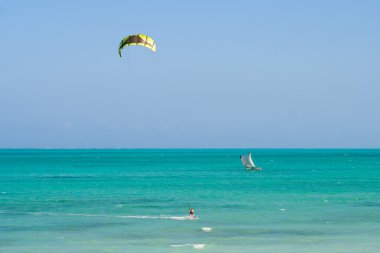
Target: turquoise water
point(137, 200)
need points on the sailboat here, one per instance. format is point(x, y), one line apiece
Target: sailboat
point(248, 163)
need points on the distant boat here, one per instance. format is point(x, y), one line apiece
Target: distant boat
point(246, 160)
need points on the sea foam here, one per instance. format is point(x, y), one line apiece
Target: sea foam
point(195, 246)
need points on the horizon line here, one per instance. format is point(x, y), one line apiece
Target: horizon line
point(196, 148)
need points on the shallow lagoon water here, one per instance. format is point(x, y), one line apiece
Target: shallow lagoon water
point(137, 200)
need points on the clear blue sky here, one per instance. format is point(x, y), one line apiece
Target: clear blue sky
point(226, 74)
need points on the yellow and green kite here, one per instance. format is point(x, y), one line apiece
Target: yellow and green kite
point(138, 40)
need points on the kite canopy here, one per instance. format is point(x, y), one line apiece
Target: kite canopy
point(138, 40)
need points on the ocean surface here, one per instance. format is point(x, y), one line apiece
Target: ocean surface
point(324, 200)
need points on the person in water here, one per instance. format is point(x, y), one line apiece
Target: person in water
point(191, 212)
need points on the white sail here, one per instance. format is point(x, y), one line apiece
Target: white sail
point(247, 161)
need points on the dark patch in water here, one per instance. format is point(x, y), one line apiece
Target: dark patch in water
point(232, 206)
point(369, 204)
point(63, 177)
point(291, 232)
point(273, 233)
point(90, 166)
point(6, 242)
point(60, 227)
